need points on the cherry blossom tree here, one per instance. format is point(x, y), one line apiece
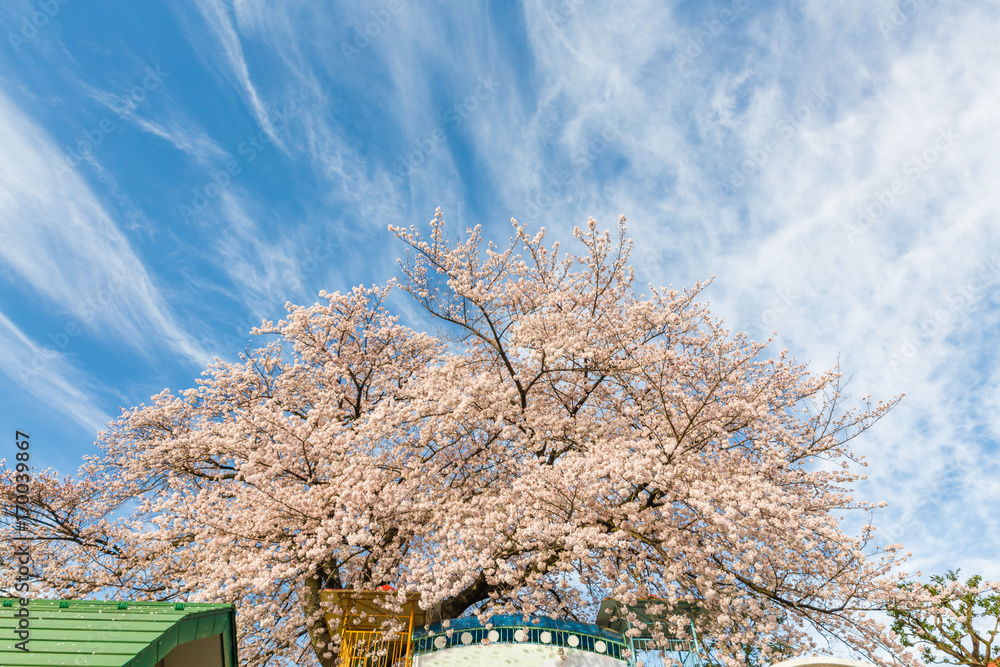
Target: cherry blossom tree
point(560, 439)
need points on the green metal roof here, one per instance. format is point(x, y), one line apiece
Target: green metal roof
point(108, 633)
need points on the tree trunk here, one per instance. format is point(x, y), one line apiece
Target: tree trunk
point(319, 633)
point(453, 607)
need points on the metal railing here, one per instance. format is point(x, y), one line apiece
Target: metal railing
point(372, 635)
point(677, 653)
point(373, 648)
point(513, 630)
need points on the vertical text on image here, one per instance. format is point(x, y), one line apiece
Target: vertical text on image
point(21, 552)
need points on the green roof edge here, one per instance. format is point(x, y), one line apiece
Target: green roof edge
point(198, 622)
point(171, 637)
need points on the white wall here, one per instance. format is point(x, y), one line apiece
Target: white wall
point(508, 655)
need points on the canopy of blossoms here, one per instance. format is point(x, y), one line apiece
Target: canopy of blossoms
point(560, 440)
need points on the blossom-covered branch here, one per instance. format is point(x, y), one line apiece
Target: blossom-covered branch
point(566, 439)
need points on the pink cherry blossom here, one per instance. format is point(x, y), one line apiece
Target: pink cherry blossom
point(560, 439)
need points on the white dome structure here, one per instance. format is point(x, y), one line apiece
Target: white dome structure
point(374, 635)
point(822, 661)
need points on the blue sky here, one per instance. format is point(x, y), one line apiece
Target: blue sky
point(172, 173)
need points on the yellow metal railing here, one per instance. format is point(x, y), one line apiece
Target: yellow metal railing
point(368, 648)
point(362, 624)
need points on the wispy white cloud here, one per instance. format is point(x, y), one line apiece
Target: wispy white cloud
point(740, 145)
point(265, 271)
point(217, 14)
point(758, 146)
point(185, 137)
point(749, 160)
point(179, 130)
point(299, 40)
point(912, 109)
point(48, 376)
point(60, 241)
point(183, 132)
